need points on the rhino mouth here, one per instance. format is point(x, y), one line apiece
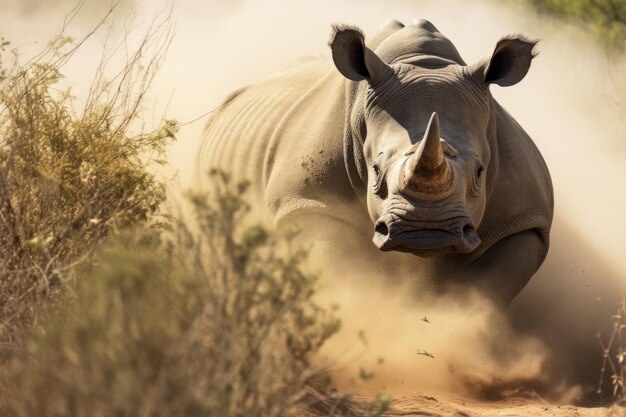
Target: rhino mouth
point(423, 239)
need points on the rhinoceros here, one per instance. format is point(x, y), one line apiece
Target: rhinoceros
point(396, 155)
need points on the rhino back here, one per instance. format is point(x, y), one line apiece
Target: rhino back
point(237, 134)
point(285, 135)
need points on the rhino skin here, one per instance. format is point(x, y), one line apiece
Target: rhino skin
point(399, 139)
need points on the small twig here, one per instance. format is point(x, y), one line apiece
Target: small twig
point(424, 353)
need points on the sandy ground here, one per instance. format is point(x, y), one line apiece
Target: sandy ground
point(439, 405)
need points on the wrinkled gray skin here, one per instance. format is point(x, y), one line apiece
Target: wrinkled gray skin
point(399, 144)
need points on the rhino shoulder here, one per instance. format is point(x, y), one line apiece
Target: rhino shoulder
point(521, 197)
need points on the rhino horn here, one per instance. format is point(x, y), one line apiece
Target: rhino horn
point(427, 174)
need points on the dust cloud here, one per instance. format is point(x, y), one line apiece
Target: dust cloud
point(429, 344)
point(569, 103)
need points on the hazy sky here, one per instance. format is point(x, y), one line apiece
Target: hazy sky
point(29, 8)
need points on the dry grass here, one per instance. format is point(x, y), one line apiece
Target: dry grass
point(613, 371)
point(69, 176)
point(218, 322)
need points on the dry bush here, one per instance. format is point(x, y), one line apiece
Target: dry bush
point(613, 371)
point(218, 322)
point(605, 18)
point(70, 174)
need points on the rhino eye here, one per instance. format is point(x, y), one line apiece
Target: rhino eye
point(376, 170)
point(377, 180)
point(475, 183)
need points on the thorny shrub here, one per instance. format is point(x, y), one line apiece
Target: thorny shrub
point(613, 371)
point(215, 320)
point(69, 174)
point(605, 18)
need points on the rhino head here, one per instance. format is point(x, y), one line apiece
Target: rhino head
point(424, 122)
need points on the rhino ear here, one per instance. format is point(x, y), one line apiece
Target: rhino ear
point(510, 61)
point(353, 59)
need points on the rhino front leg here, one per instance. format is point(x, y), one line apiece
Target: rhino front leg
point(508, 265)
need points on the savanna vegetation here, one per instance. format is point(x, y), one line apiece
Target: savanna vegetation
point(605, 18)
point(213, 322)
point(70, 174)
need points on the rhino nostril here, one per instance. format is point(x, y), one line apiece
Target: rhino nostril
point(381, 238)
point(468, 228)
point(470, 236)
point(381, 228)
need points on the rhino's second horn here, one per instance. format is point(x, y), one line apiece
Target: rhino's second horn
point(427, 174)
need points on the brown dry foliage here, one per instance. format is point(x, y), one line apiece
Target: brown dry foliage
point(69, 176)
point(218, 322)
point(613, 371)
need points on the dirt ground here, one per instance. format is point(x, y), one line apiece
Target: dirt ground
point(439, 405)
